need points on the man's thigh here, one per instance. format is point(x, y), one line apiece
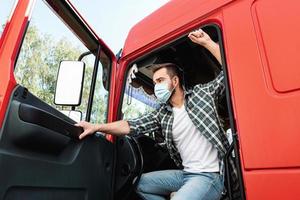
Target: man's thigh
point(160, 182)
point(203, 186)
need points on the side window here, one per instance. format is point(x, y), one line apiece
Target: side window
point(89, 66)
point(47, 42)
point(99, 110)
point(136, 101)
point(6, 8)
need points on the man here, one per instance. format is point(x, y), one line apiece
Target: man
point(192, 130)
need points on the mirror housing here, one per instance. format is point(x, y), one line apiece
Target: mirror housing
point(69, 84)
point(76, 115)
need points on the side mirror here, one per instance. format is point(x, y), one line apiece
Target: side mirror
point(69, 83)
point(73, 114)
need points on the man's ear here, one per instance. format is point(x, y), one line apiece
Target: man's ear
point(176, 79)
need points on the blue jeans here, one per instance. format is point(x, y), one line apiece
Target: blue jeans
point(158, 185)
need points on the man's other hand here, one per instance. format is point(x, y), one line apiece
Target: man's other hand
point(88, 129)
point(200, 37)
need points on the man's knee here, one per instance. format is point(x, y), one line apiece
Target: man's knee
point(172, 195)
point(141, 184)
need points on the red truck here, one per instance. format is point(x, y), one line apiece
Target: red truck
point(40, 155)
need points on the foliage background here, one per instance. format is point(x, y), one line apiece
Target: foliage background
point(37, 68)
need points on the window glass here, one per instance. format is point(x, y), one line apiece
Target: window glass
point(89, 66)
point(99, 106)
point(45, 45)
point(137, 102)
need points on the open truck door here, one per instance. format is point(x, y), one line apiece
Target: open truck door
point(40, 154)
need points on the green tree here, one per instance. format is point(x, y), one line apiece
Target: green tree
point(38, 62)
point(37, 67)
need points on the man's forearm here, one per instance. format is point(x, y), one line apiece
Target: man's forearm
point(214, 50)
point(114, 128)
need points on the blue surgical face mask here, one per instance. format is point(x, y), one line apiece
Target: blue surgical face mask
point(162, 92)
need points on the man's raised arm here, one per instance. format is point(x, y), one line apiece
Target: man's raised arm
point(202, 38)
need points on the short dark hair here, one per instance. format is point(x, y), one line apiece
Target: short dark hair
point(172, 70)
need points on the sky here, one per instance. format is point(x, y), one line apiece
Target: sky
point(5, 9)
point(111, 20)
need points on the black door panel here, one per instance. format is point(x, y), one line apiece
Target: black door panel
point(26, 128)
point(22, 95)
point(90, 172)
point(33, 115)
point(39, 160)
point(26, 133)
point(44, 193)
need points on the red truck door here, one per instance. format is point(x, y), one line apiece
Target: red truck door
point(265, 74)
point(40, 157)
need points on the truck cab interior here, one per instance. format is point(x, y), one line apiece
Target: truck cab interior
point(197, 65)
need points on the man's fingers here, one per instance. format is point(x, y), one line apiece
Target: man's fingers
point(193, 38)
point(198, 33)
point(77, 124)
point(195, 34)
point(84, 134)
point(81, 123)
